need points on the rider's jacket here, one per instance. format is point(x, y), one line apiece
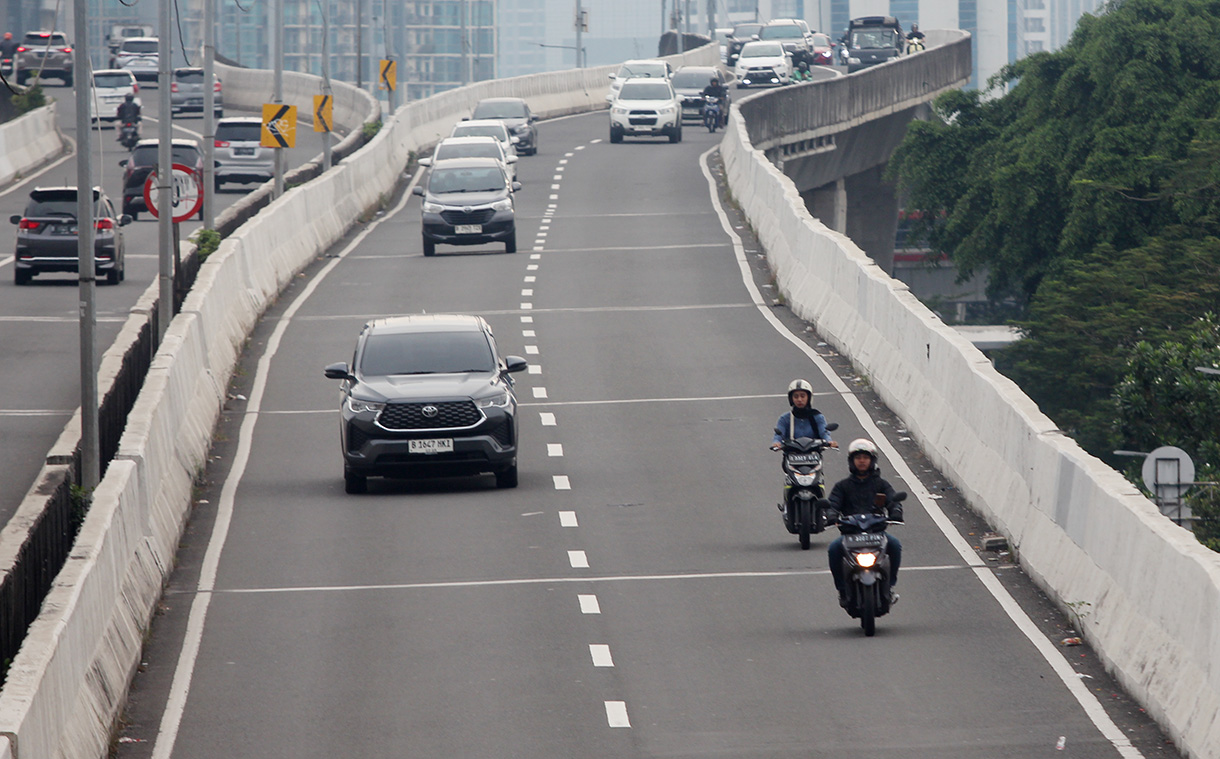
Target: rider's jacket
point(854, 495)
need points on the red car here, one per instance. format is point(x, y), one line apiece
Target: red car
point(823, 50)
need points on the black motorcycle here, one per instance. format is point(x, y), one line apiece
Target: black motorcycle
point(711, 113)
point(866, 565)
point(805, 508)
point(129, 134)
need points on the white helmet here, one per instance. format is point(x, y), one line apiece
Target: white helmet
point(799, 384)
point(862, 445)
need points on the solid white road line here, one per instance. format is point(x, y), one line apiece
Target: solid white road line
point(1088, 702)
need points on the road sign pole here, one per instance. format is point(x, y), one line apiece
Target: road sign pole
point(278, 94)
point(165, 49)
point(90, 470)
point(209, 112)
point(326, 77)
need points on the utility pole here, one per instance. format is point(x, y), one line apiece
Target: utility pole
point(465, 51)
point(90, 470)
point(580, 22)
point(325, 76)
point(209, 113)
point(277, 95)
point(165, 170)
point(359, 44)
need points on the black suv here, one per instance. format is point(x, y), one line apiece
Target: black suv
point(427, 394)
point(742, 33)
point(143, 161)
point(468, 201)
point(47, 238)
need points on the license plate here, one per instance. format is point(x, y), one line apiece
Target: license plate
point(430, 446)
point(64, 229)
point(468, 229)
point(243, 151)
point(866, 540)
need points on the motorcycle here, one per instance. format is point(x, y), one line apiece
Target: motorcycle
point(805, 508)
point(866, 565)
point(711, 112)
point(915, 46)
point(129, 134)
point(844, 55)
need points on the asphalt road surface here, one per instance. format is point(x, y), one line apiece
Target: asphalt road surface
point(636, 595)
point(39, 325)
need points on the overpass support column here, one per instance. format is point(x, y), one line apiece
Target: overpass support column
point(872, 215)
point(828, 204)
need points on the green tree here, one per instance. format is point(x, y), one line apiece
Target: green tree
point(1163, 400)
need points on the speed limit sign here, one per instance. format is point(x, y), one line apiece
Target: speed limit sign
point(186, 192)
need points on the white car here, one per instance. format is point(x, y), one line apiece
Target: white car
point(472, 147)
point(110, 88)
point(649, 68)
point(763, 63)
point(646, 108)
point(140, 56)
point(487, 128)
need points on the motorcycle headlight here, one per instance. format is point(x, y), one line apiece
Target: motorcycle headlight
point(433, 207)
point(357, 406)
point(867, 559)
point(503, 205)
point(805, 480)
point(499, 400)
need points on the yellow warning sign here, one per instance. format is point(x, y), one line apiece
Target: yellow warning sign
point(279, 126)
point(389, 75)
point(323, 109)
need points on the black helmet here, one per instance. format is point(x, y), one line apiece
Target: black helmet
point(715, 80)
point(129, 97)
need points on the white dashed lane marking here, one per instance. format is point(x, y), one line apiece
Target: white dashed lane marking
point(578, 559)
point(539, 392)
point(567, 519)
point(548, 419)
point(601, 655)
point(535, 369)
point(554, 449)
point(562, 482)
point(589, 604)
point(616, 714)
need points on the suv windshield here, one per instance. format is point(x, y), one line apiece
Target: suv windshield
point(241, 132)
point(784, 32)
point(872, 39)
point(646, 91)
point(762, 51)
point(53, 203)
point(745, 31)
point(189, 76)
point(468, 179)
point(34, 39)
point(139, 46)
point(499, 111)
point(103, 81)
point(146, 155)
point(469, 150)
point(426, 353)
point(641, 69)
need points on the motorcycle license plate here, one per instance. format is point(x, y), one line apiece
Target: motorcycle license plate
point(802, 458)
point(866, 540)
point(468, 229)
point(431, 446)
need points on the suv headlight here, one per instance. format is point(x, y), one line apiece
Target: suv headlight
point(618, 111)
point(503, 205)
point(666, 109)
point(523, 129)
point(499, 400)
point(357, 406)
point(432, 207)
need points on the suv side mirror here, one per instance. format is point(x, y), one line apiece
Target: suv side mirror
point(417, 190)
point(124, 220)
point(514, 364)
point(516, 185)
point(337, 372)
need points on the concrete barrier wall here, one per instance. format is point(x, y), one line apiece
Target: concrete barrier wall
point(68, 683)
point(1145, 593)
point(28, 141)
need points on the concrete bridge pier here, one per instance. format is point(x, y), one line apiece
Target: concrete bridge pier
point(862, 206)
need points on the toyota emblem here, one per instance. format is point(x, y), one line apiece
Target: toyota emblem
point(467, 209)
point(430, 411)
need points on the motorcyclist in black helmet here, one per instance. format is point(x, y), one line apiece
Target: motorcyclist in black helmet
point(129, 110)
point(862, 492)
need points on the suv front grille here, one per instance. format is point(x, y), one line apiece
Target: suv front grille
point(477, 216)
point(410, 416)
point(642, 118)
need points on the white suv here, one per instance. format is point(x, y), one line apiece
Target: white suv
point(646, 108)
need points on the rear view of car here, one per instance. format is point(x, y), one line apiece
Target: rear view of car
point(45, 54)
point(139, 56)
point(110, 88)
point(186, 91)
point(143, 161)
point(648, 68)
point(48, 236)
point(487, 128)
point(237, 153)
point(472, 147)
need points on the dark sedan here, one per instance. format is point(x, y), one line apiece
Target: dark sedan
point(516, 115)
point(143, 161)
point(48, 237)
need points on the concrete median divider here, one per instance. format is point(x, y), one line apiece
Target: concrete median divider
point(67, 685)
point(1144, 592)
point(29, 141)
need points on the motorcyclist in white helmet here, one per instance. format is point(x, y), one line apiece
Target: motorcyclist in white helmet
point(802, 420)
point(862, 492)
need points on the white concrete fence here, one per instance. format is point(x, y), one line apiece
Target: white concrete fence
point(28, 141)
point(1146, 593)
point(67, 685)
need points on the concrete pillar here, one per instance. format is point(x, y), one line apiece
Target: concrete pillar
point(872, 215)
point(828, 204)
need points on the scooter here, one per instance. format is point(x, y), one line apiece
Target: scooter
point(805, 508)
point(866, 565)
point(129, 134)
point(915, 46)
point(711, 113)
